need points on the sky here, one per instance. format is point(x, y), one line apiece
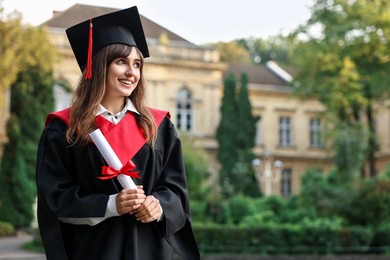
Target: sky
point(200, 21)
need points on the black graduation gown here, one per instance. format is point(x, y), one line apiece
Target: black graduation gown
point(68, 187)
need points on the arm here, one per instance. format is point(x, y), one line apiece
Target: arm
point(59, 182)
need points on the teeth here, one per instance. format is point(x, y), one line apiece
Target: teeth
point(127, 82)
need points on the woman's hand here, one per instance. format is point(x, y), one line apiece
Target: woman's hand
point(128, 200)
point(149, 211)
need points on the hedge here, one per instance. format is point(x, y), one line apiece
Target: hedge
point(282, 239)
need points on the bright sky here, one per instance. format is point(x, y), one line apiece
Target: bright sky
point(199, 21)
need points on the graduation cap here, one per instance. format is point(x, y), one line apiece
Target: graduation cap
point(87, 37)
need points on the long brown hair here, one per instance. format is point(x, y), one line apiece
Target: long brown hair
point(89, 94)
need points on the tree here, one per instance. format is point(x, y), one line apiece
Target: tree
point(274, 48)
point(31, 100)
point(226, 132)
point(375, 196)
point(246, 121)
point(11, 44)
point(346, 64)
point(233, 53)
point(246, 132)
point(235, 136)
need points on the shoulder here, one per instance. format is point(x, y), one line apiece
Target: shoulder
point(159, 115)
point(63, 115)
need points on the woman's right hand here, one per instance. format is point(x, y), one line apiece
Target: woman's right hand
point(128, 200)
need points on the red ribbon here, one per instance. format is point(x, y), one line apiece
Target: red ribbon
point(127, 169)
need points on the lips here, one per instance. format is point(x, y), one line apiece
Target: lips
point(126, 82)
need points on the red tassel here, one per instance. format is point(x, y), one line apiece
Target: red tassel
point(88, 73)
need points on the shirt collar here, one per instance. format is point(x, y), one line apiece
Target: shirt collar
point(129, 106)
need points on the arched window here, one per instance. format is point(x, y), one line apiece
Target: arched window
point(184, 110)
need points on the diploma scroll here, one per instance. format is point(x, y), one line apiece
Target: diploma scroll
point(111, 158)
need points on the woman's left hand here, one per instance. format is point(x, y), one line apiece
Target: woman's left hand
point(150, 210)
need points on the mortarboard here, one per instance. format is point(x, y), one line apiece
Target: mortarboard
point(123, 26)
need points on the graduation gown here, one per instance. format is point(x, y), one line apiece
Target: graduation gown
point(68, 187)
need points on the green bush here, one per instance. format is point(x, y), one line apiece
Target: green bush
point(6, 229)
point(281, 239)
point(198, 210)
point(381, 237)
point(237, 208)
point(371, 206)
point(36, 244)
point(356, 238)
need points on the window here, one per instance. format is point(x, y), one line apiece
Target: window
point(184, 110)
point(315, 132)
point(286, 182)
point(285, 135)
point(259, 132)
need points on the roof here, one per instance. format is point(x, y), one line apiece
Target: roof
point(257, 74)
point(79, 13)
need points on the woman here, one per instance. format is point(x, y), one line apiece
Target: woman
point(82, 214)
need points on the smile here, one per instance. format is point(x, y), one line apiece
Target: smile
point(126, 82)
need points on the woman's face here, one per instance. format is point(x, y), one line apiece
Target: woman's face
point(123, 75)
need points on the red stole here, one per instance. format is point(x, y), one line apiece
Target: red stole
point(125, 138)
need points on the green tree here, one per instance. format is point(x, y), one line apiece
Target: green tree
point(11, 44)
point(346, 64)
point(226, 133)
point(246, 120)
point(235, 136)
point(370, 206)
point(233, 53)
point(246, 123)
point(31, 100)
point(349, 153)
point(274, 48)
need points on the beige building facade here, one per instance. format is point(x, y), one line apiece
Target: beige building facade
point(187, 80)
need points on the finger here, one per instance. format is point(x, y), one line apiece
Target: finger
point(127, 206)
point(127, 201)
point(148, 212)
point(149, 204)
point(148, 218)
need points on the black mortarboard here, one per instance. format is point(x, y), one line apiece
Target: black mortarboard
point(88, 37)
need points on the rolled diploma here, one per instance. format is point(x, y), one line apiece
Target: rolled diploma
point(111, 158)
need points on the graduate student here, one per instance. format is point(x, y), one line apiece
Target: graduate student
point(82, 212)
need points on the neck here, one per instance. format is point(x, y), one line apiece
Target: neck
point(114, 106)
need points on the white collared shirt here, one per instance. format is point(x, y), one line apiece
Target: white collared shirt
point(115, 118)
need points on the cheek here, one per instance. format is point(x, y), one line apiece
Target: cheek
point(139, 75)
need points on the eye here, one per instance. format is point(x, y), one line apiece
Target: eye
point(137, 64)
point(121, 61)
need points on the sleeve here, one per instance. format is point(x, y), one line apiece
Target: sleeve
point(173, 195)
point(172, 185)
point(57, 187)
point(111, 211)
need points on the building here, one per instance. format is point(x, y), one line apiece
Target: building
point(187, 80)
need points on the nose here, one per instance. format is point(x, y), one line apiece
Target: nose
point(129, 71)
